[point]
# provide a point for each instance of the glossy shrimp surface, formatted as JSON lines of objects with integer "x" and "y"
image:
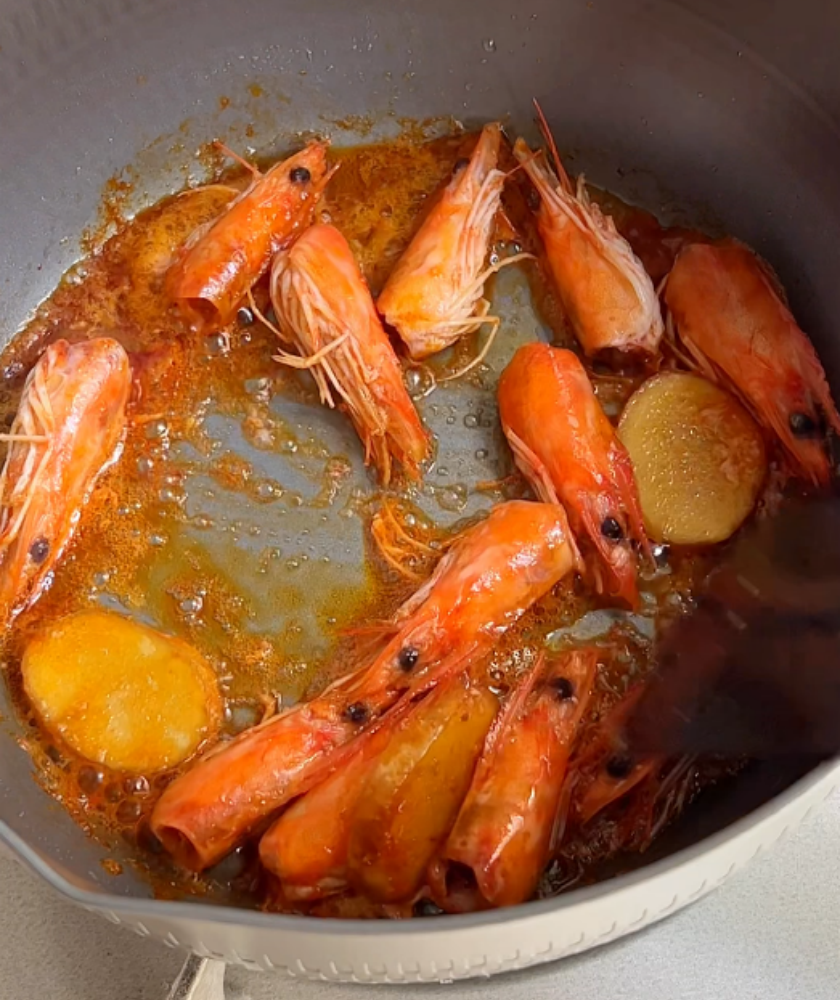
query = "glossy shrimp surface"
{"x": 306, "y": 849}
{"x": 220, "y": 262}
{"x": 434, "y": 296}
{"x": 725, "y": 307}
{"x": 605, "y": 291}
{"x": 569, "y": 451}
{"x": 325, "y": 311}
{"x": 501, "y": 840}
{"x": 481, "y": 587}
{"x": 68, "y": 428}
{"x": 414, "y": 790}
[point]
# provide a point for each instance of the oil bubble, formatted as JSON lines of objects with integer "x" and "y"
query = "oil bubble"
{"x": 268, "y": 490}
{"x": 452, "y": 498}
{"x": 192, "y": 605}
{"x": 471, "y": 421}
{"x": 217, "y": 345}
{"x": 420, "y": 381}
{"x": 156, "y": 429}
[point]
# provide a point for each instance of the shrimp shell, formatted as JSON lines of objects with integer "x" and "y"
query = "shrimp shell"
{"x": 325, "y": 310}
{"x": 67, "y": 431}
{"x": 434, "y": 296}
{"x": 603, "y": 286}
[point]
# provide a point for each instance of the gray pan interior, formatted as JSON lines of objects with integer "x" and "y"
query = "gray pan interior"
{"x": 722, "y": 113}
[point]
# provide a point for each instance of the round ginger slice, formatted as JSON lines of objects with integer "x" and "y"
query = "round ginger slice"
{"x": 698, "y": 456}
{"x": 120, "y": 693}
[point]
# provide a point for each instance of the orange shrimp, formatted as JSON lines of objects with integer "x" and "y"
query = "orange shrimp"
{"x": 325, "y": 310}
{"x": 415, "y": 789}
{"x": 604, "y": 770}
{"x": 569, "y": 451}
{"x": 220, "y": 262}
{"x": 434, "y": 295}
{"x": 603, "y": 286}
{"x": 307, "y": 847}
{"x": 68, "y": 429}
{"x": 501, "y": 840}
{"x": 488, "y": 578}
{"x": 724, "y": 304}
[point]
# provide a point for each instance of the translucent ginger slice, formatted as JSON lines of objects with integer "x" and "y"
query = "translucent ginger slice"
{"x": 698, "y": 456}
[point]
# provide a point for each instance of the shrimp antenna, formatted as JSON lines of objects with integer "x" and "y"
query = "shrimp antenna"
{"x": 552, "y": 145}
{"x": 237, "y": 158}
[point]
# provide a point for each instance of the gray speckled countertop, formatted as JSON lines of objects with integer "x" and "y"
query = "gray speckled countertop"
{"x": 771, "y": 933}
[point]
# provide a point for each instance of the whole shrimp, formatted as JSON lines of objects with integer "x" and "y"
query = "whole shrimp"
{"x": 604, "y": 289}
{"x": 501, "y": 840}
{"x": 487, "y": 579}
{"x": 569, "y": 451}
{"x": 220, "y": 262}
{"x": 68, "y": 429}
{"x": 323, "y": 308}
{"x": 604, "y": 770}
{"x": 434, "y": 295}
{"x": 725, "y": 307}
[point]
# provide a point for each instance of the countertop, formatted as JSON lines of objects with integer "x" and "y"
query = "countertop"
{"x": 771, "y": 933}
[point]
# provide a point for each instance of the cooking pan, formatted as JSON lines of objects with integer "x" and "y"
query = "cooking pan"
{"x": 722, "y": 113}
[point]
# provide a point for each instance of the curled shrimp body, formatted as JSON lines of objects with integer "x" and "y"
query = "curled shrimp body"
{"x": 569, "y": 451}
{"x": 604, "y": 289}
{"x": 434, "y": 296}
{"x": 220, "y": 262}
{"x": 501, "y": 840}
{"x": 68, "y": 429}
{"x": 324, "y": 309}
{"x": 489, "y": 577}
{"x": 725, "y": 308}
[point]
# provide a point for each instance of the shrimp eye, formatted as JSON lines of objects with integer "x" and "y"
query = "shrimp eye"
{"x": 803, "y": 425}
{"x": 611, "y": 529}
{"x": 564, "y": 688}
{"x": 460, "y": 165}
{"x": 619, "y": 766}
{"x": 299, "y": 175}
{"x": 39, "y": 550}
{"x": 357, "y": 712}
{"x": 245, "y": 316}
{"x": 408, "y": 657}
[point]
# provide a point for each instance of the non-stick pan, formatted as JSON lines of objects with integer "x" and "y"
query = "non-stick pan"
{"x": 712, "y": 111}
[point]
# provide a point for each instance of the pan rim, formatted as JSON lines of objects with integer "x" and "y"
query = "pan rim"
{"x": 215, "y": 913}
